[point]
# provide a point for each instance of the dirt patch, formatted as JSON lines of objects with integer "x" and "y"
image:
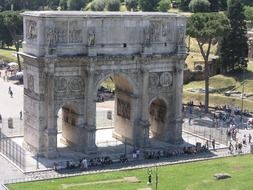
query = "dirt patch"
{"x": 237, "y": 168}
{"x": 132, "y": 179}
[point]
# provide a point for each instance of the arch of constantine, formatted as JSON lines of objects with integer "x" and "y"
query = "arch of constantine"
{"x": 68, "y": 54}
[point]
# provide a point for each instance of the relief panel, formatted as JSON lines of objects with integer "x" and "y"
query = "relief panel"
{"x": 123, "y": 108}
{"x": 31, "y": 30}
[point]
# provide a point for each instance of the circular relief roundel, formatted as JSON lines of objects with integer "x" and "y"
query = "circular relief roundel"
{"x": 76, "y": 84}
{"x": 165, "y": 79}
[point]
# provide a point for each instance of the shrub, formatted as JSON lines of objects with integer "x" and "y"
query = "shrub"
{"x": 164, "y": 5}
{"x": 98, "y": 5}
{"x": 131, "y": 5}
{"x": 199, "y": 6}
{"x": 113, "y": 5}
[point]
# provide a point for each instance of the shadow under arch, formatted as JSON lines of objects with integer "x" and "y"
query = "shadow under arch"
{"x": 121, "y": 80}
{"x": 69, "y": 118}
{"x": 158, "y": 109}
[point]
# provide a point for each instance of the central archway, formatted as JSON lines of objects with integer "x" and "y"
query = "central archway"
{"x": 122, "y": 92}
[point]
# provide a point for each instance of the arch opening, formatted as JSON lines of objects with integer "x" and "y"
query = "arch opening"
{"x": 157, "y": 118}
{"x": 68, "y": 119}
{"x": 114, "y": 117}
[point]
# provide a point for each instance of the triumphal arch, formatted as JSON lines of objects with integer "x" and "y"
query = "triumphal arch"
{"x": 68, "y": 54}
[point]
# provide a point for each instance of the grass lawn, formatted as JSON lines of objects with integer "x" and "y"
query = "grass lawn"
{"x": 222, "y": 83}
{"x": 7, "y": 54}
{"x": 190, "y": 176}
{"x": 217, "y": 82}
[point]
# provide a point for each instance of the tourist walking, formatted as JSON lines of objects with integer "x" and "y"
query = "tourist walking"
{"x": 11, "y": 93}
{"x": 231, "y": 148}
{"x": 213, "y": 144}
{"x": 20, "y": 115}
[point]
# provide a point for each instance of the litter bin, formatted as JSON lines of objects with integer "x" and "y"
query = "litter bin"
{"x": 109, "y": 115}
{"x": 10, "y": 123}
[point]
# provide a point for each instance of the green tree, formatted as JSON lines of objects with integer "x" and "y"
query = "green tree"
{"x": 247, "y": 2}
{"x": 53, "y": 4}
{"x": 98, "y": 5}
{"x": 164, "y": 5}
{"x": 234, "y": 48}
{"x": 5, "y": 37}
{"x": 197, "y": 6}
{"x": 222, "y": 5}
{"x": 63, "y": 4}
{"x": 148, "y": 5}
{"x": 214, "y": 5}
{"x": 184, "y": 5}
{"x": 207, "y": 28}
{"x": 14, "y": 23}
{"x": 131, "y": 5}
{"x": 248, "y": 12}
{"x": 75, "y": 4}
{"x": 113, "y": 5}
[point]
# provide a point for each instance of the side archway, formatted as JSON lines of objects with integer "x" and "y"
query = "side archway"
{"x": 158, "y": 109}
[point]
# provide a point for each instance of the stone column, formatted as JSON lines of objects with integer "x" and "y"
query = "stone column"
{"x": 90, "y": 113}
{"x": 144, "y": 123}
{"x": 51, "y": 130}
{"x": 177, "y": 110}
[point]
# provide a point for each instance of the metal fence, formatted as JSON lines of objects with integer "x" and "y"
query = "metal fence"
{"x": 208, "y": 132}
{"x": 12, "y": 150}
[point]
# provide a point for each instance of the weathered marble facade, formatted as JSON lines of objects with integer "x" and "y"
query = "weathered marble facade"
{"x": 68, "y": 54}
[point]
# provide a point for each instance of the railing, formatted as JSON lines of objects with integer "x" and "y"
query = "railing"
{"x": 12, "y": 150}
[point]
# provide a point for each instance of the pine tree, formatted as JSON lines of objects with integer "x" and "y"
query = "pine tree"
{"x": 234, "y": 48}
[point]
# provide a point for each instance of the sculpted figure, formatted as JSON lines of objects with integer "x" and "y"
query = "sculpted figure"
{"x": 91, "y": 38}
{"x": 181, "y": 34}
{"x": 51, "y": 37}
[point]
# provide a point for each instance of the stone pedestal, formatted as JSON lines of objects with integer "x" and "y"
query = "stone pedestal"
{"x": 92, "y": 51}
{"x": 147, "y": 50}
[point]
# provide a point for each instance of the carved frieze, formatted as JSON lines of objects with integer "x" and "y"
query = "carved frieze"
{"x": 61, "y": 30}
{"x": 123, "y": 108}
{"x": 166, "y": 31}
{"x": 153, "y": 79}
{"x": 69, "y": 87}
{"x": 31, "y": 30}
{"x": 155, "y": 30}
{"x": 75, "y": 32}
